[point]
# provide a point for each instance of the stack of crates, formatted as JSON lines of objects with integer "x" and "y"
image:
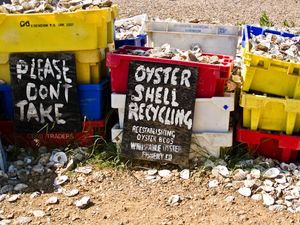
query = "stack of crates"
{"x": 270, "y": 100}
{"x": 88, "y": 34}
{"x": 212, "y": 109}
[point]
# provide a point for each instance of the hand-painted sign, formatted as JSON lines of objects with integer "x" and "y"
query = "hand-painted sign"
{"x": 159, "y": 112}
{"x": 45, "y": 92}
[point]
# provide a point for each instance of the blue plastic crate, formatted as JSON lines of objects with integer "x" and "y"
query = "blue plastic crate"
{"x": 94, "y": 99}
{"x": 249, "y": 30}
{"x": 6, "y": 102}
{"x": 140, "y": 40}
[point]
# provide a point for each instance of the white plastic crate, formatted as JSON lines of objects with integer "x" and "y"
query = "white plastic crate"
{"x": 217, "y": 39}
{"x": 202, "y": 144}
{"x": 210, "y": 114}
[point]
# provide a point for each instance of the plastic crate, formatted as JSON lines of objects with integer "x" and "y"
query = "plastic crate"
{"x": 94, "y": 99}
{"x": 249, "y": 30}
{"x": 111, "y": 23}
{"x": 6, "y": 102}
{"x": 140, "y": 40}
{"x": 90, "y": 131}
{"x": 88, "y": 64}
{"x": 211, "y": 77}
{"x": 277, "y": 146}
{"x": 273, "y": 80}
{"x": 210, "y": 114}
{"x": 46, "y": 32}
{"x": 262, "y": 73}
{"x": 269, "y": 113}
{"x": 217, "y": 39}
{"x": 202, "y": 144}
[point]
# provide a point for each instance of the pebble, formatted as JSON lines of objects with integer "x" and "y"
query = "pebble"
{"x": 164, "y": 173}
{"x": 185, "y": 174}
{"x": 229, "y": 199}
{"x": 213, "y": 183}
{"x": 83, "y": 202}
{"x": 38, "y": 213}
{"x": 20, "y": 187}
{"x": 2, "y": 197}
{"x": 52, "y": 200}
{"x": 152, "y": 172}
{"x": 245, "y": 191}
{"x": 13, "y": 198}
{"x": 6, "y": 189}
{"x": 23, "y": 220}
{"x": 38, "y": 169}
{"x": 5, "y": 222}
{"x": 85, "y": 170}
{"x": 150, "y": 177}
{"x": 174, "y": 199}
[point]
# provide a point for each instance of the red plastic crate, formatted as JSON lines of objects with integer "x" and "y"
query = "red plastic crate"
{"x": 211, "y": 77}
{"x": 84, "y": 138}
{"x": 276, "y": 146}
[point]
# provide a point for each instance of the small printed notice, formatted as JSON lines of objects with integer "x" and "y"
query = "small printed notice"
{"x": 159, "y": 112}
{"x": 45, "y": 93}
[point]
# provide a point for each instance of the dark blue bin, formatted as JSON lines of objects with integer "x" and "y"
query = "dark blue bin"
{"x": 93, "y": 99}
{"x": 140, "y": 40}
{"x": 6, "y": 102}
{"x": 249, "y": 30}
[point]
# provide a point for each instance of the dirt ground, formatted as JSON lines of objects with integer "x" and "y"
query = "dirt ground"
{"x": 126, "y": 197}
{"x": 218, "y": 11}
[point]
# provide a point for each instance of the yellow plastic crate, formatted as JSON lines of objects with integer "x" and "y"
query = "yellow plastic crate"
{"x": 111, "y": 24}
{"x": 88, "y": 66}
{"x": 47, "y": 32}
{"x": 269, "y": 113}
{"x": 270, "y": 76}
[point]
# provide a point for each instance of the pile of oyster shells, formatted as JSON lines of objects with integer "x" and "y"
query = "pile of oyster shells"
{"x": 49, "y": 6}
{"x": 165, "y": 51}
{"x": 277, "y": 47}
{"x": 127, "y": 29}
{"x": 276, "y": 185}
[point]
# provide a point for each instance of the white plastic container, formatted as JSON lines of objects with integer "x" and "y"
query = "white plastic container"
{"x": 210, "y": 114}
{"x": 202, "y": 144}
{"x": 217, "y": 39}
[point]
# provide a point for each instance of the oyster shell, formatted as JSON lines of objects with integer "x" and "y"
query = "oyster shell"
{"x": 166, "y": 51}
{"x": 276, "y": 47}
{"x": 48, "y": 6}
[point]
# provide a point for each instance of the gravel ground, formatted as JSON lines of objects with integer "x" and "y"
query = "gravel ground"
{"x": 126, "y": 197}
{"x": 217, "y": 11}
